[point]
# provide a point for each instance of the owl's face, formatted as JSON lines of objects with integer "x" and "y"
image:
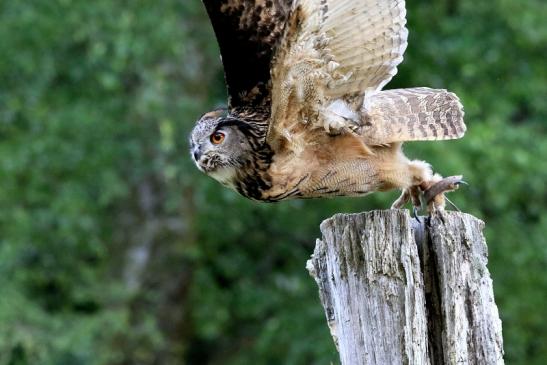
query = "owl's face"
{"x": 219, "y": 147}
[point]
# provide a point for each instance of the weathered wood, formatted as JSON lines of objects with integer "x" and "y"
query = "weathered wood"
{"x": 389, "y": 300}
{"x": 368, "y": 272}
{"x": 471, "y": 324}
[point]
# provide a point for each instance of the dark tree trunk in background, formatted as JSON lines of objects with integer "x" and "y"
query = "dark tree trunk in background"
{"x": 399, "y": 291}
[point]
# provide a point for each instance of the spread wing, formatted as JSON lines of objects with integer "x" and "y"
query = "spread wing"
{"x": 335, "y": 58}
{"x": 367, "y": 40}
{"x": 335, "y": 49}
{"x": 248, "y": 32}
{"x": 416, "y": 114}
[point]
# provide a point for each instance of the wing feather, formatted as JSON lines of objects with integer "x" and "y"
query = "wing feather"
{"x": 248, "y": 32}
{"x": 336, "y": 57}
{"x": 367, "y": 38}
{"x": 416, "y": 114}
{"x": 334, "y": 49}
{"x": 376, "y": 38}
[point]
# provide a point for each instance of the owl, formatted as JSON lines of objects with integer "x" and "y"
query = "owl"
{"x": 307, "y": 116}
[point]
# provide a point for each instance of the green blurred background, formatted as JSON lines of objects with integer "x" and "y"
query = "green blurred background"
{"x": 114, "y": 249}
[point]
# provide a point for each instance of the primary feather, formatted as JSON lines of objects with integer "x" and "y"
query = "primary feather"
{"x": 248, "y": 33}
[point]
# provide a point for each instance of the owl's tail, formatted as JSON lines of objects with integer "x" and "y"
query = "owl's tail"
{"x": 417, "y": 114}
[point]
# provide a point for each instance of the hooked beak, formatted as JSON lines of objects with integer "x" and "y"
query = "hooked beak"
{"x": 196, "y": 153}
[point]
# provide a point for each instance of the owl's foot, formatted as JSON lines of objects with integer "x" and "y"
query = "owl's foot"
{"x": 425, "y": 188}
{"x": 411, "y": 194}
{"x": 433, "y": 191}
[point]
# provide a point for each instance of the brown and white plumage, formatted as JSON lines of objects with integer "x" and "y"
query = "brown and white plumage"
{"x": 365, "y": 38}
{"x": 305, "y": 81}
{"x": 336, "y": 57}
{"x": 416, "y": 114}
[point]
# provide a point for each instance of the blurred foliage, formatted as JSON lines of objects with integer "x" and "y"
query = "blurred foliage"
{"x": 115, "y": 250}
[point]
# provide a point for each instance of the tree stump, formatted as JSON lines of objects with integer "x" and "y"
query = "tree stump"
{"x": 401, "y": 291}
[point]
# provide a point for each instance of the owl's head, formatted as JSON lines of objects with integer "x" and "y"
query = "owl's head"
{"x": 219, "y": 145}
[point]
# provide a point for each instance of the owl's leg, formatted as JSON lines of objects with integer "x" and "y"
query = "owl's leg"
{"x": 412, "y": 193}
{"x": 431, "y": 186}
{"x": 411, "y": 182}
{"x": 401, "y": 200}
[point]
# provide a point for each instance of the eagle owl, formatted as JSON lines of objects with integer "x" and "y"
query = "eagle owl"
{"x": 307, "y": 116}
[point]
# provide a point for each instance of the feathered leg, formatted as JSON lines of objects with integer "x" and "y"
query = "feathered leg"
{"x": 431, "y": 186}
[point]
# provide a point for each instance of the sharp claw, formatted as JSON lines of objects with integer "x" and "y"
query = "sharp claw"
{"x": 462, "y": 182}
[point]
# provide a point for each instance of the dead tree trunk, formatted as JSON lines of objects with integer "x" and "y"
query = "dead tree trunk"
{"x": 399, "y": 291}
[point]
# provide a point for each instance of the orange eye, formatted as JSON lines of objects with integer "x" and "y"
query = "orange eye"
{"x": 217, "y": 137}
